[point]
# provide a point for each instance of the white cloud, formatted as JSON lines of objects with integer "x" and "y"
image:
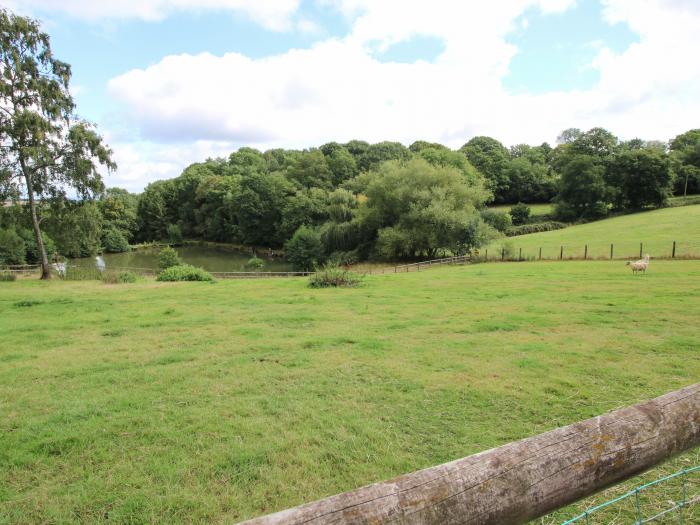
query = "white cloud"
{"x": 207, "y": 105}
{"x": 272, "y": 14}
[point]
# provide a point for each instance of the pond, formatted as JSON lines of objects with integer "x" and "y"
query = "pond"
{"x": 212, "y": 258}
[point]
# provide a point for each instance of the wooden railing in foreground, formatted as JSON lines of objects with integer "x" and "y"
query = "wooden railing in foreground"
{"x": 515, "y": 483}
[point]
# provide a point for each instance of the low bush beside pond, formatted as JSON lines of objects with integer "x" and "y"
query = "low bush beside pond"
{"x": 119, "y": 277}
{"x": 184, "y": 272}
{"x": 334, "y": 277}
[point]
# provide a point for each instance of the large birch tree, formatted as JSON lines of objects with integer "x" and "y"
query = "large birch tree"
{"x": 46, "y": 152}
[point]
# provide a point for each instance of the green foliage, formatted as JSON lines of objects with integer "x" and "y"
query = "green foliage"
{"x": 311, "y": 170}
{"x": 152, "y": 211}
{"x": 168, "y": 257}
{"x": 46, "y": 148}
{"x": 417, "y": 210}
{"x": 334, "y": 277}
{"x": 255, "y": 263}
{"x": 535, "y": 227}
{"x": 305, "y": 249}
{"x": 490, "y": 157}
{"x": 685, "y": 159}
{"x": 497, "y": 219}
{"x": 448, "y": 158}
{"x": 376, "y": 154}
{"x": 520, "y": 213}
{"x": 81, "y": 273}
{"x": 583, "y": 190}
{"x": 7, "y": 276}
{"x": 76, "y": 229}
{"x": 184, "y": 272}
{"x": 124, "y": 277}
{"x": 639, "y": 178}
{"x": 114, "y": 241}
{"x": 12, "y": 248}
{"x": 119, "y": 208}
{"x": 344, "y": 258}
{"x": 174, "y": 234}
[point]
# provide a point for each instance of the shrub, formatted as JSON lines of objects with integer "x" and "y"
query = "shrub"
{"x": 499, "y": 220}
{"x": 119, "y": 277}
{"x": 33, "y": 256}
{"x": 12, "y": 248}
{"x": 520, "y": 213}
{"x": 255, "y": 263}
{"x": 344, "y": 258}
{"x": 184, "y": 272}
{"x": 305, "y": 249}
{"x": 7, "y": 276}
{"x": 334, "y": 277}
{"x": 174, "y": 234}
{"x": 79, "y": 273}
{"x": 168, "y": 257}
{"x": 114, "y": 241}
{"x": 535, "y": 228}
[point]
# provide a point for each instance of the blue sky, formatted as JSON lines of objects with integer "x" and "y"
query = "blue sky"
{"x": 169, "y": 82}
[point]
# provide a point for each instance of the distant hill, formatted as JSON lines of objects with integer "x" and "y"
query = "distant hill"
{"x": 655, "y": 229}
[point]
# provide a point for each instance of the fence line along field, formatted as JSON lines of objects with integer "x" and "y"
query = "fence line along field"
{"x": 655, "y": 230}
{"x": 198, "y": 402}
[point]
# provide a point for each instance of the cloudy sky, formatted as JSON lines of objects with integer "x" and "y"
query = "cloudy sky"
{"x": 170, "y": 82}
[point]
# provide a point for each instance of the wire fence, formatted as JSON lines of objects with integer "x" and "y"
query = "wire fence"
{"x": 421, "y": 265}
{"x": 511, "y": 251}
{"x": 670, "y": 499}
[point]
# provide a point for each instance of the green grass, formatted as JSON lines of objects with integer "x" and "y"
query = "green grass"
{"x": 655, "y": 229}
{"x": 196, "y": 402}
{"x": 536, "y": 210}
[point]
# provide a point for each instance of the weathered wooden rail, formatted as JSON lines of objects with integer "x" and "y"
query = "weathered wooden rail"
{"x": 520, "y": 481}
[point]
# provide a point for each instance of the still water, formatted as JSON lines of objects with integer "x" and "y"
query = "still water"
{"x": 208, "y": 257}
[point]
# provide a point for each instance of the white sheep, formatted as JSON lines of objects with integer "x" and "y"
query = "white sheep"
{"x": 640, "y": 265}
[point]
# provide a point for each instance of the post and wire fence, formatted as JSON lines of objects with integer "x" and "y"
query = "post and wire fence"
{"x": 511, "y": 251}
{"x": 674, "y": 498}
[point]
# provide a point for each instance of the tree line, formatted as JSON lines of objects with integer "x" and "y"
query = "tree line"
{"x": 340, "y": 202}
{"x": 356, "y": 200}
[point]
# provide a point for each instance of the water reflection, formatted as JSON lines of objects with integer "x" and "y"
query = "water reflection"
{"x": 210, "y": 258}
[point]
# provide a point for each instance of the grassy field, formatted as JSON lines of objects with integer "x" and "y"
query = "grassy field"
{"x": 195, "y": 402}
{"x": 536, "y": 210}
{"x": 655, "y": 229}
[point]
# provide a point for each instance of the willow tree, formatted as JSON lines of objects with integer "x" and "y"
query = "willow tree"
{"x": 46, "y": 152}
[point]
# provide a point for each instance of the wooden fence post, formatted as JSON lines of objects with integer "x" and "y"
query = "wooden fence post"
{"x": 503, "y": 254}
{"x": 641, "y": 245}
{"x": 520, "y": 481}
{"x": 561, "y": 253}
{"x": 611, "y": 251}
{"x": 585, "y": 252}
{"x": 673, "y": 253}
{"x": 540, "y": 253}
{"x": 520, "y": 254}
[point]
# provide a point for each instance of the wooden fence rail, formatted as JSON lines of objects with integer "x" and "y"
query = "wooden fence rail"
{"x": 515, "y": 483}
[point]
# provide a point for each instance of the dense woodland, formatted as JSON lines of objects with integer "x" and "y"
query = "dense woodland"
{"x": 354, "y": 201}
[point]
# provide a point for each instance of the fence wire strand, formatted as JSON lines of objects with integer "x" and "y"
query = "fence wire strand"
{"x": 680, "y": 492}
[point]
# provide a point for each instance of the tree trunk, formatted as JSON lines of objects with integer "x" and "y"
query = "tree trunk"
{"x": 45, "y": 270}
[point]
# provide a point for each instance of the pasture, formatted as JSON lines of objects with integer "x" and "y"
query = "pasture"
{"x": 656, "y": 229}
{"x": 536, "y": 210}
{"x": 196, "y": 402}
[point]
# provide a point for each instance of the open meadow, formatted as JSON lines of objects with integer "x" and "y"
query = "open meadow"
{"x": 197, "y": 402}
{"x": 656, "y": 229}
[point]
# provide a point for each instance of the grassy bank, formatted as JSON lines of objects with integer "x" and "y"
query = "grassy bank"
{"x": 196, "y": 402}
{"x": 655, "y": 229}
